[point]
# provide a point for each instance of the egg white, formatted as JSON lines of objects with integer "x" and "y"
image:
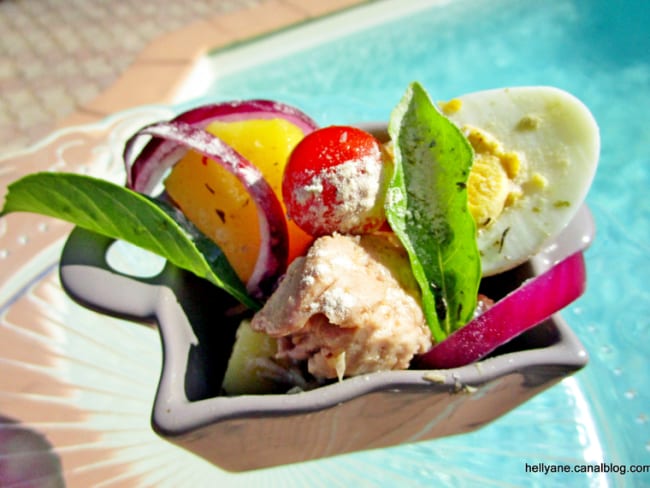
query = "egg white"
{"x": 556, "y": 137}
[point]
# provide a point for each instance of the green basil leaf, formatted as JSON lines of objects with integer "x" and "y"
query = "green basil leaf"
{"x": 117, "y": 212}
{"x": 426, "y": 206}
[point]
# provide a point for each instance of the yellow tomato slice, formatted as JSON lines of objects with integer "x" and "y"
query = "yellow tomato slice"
{"x": 219, "y": 205}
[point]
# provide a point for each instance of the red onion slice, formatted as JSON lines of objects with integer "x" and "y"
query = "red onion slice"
{"x": 147, "y": 168}
{"x": 533, "y": 302}
{"x": 272, "y": 258}
{"x": 246, "y": 110}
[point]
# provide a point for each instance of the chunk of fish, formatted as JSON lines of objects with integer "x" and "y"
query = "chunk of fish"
{"x": 351, "y": 306}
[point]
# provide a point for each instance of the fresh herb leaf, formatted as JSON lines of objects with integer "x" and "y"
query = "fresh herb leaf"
{"x": 426, "y": 207}
{"x": 117, "y": 212}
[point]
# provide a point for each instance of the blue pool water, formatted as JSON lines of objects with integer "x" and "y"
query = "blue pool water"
{"x": 598, "y": 50}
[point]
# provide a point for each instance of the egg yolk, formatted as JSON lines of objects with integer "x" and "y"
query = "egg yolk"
{"x": 491, "y": 186}
{"x": 450, "y": 107}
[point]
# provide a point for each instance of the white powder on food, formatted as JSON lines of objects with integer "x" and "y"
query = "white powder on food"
{"x": 358, "y": 187}
{"x": 336, "y": 303}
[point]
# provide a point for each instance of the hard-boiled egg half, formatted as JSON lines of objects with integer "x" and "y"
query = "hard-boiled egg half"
{"x": 536, "y": 151}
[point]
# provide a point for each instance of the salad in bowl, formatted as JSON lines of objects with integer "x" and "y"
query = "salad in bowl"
{"x": 370, "y": 277}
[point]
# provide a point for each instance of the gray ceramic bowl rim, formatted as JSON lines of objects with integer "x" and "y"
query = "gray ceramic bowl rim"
{"x": 174, "y": 415}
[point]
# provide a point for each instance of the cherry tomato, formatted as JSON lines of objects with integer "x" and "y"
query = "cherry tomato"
{"x": 334, "y": 182}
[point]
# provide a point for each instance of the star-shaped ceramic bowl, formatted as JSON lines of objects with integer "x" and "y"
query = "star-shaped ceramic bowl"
{"x": 365, "y": 412}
